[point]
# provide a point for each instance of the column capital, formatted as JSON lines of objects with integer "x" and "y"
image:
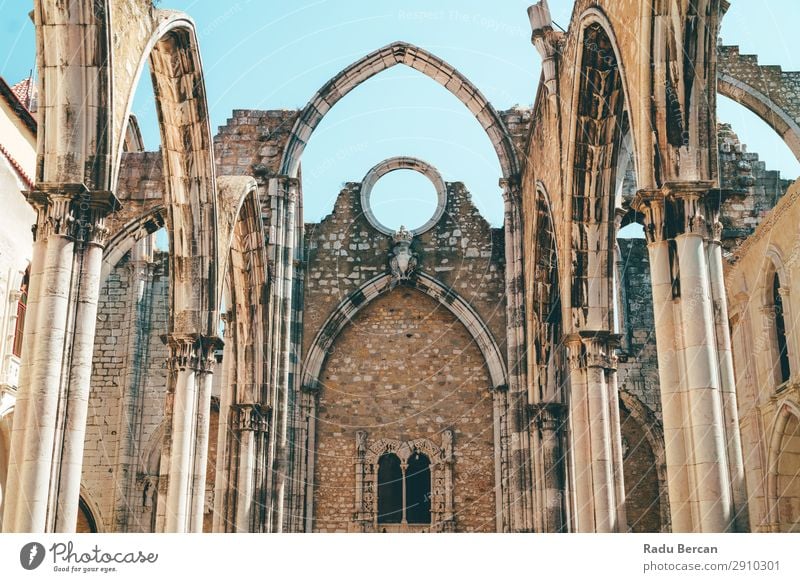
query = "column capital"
{"x": 192, "y": 351}
{"x": 251, "y": 417}
{"x": 548, "y": 415}
{"x": 73, "y": 211}
{"x": 592, "y": 349}
{"x": 651, "y": 205}
{"x": 511, "y": 189}
{"x": 689, "y": 207}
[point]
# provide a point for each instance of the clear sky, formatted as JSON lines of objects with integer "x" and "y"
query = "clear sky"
{"x": 270, "y": 54}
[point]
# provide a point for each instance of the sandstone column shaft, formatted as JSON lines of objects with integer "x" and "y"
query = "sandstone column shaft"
{"x": 712, "y": 482}
{"x": 180, "y": 460}
{"x": 203, "y": 420}
{"x": 43, "y": 390}
{"x": 728, "y": 387}
{"x": 80, "y": 373}
{"x": 520, "y": 480}
{"x": 23, "y": 406}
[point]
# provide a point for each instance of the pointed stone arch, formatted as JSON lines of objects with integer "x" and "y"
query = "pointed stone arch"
{"x": 384, "y": 58}
{"x": 372, "y": 289}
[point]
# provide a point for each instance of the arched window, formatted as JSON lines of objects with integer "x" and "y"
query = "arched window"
{"x": 22, "y": 306}
{"x": 390, "y": 489}
{"x": 418, "y": 489}
{"x": 780, "y": 330}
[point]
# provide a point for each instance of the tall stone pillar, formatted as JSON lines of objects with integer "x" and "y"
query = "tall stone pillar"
{"x": 521, "y": 479}
{"x": 549, "y": 419}
{"x": 50, "y": 422}
{"x": 191, "y": 361}
{"x": 704, "y": 465}
{"x": 283, "y": 192}
{"x": 202, "y": 421}
{"x": 599, "y": 487}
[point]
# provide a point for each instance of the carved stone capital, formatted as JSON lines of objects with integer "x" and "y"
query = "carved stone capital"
{"x": 592, "y": 349}
{"x": 192, "y": 352}
{"x": 250, "y": 417}
{"x": 548, "y": 416}
{"x": 651, "y": 205}
{"x": 512, "y": 193}
{"x": 73, "y": 211}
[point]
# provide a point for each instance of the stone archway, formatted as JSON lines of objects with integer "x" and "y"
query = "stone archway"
{"x": 783, "y": 478}
{"x": 416, "y": 58}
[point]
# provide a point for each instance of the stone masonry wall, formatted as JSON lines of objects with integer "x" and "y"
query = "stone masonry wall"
{"x": 110, "y": 379}
{"x": 638, "y": 366}
{"x": 462, "y": 251}
{"x": 405, "y": 368}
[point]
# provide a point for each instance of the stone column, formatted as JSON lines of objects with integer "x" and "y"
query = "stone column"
{"x": 598, "y": 486}
{"x": 180, "y": 412}
{"x": 501, "y": 468}
{"x": 47, "y": 440}
{"x": 702, "y": 445}
{"x": 223, "y": 481}
{"x": 283, "y": 192}
{"x": 187, "y": 431}
{"x": 663, "y": 265}
{"x": 250, "y": 425}
{"x": 205, "y": 379}
{"x": 520, "y": 482}
{"x": 727, "y": 380}
{"x": 549, "y": 418}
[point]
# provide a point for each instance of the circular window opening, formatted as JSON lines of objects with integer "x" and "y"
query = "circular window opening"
{"x": 403, "y": 198}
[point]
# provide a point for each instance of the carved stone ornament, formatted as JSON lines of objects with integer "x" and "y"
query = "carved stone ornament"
{"x": 402, "y": 262}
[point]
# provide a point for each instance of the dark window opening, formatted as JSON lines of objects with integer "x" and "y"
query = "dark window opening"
{"x": 780, "y": 329}
{"x": 418, "y": 489}
{"x": 390, "y": 489}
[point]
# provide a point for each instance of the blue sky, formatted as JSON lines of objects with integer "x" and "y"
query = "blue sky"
{"x": 275, "y": 54}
